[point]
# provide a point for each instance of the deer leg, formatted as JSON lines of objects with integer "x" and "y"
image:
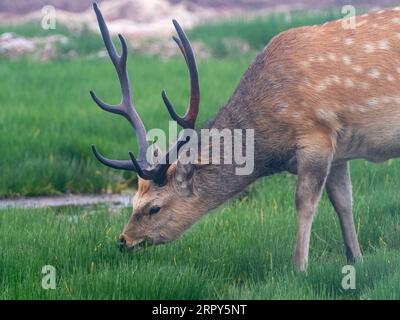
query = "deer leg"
{"x": 338, "y": 187}
{"x": 313, "y": 168}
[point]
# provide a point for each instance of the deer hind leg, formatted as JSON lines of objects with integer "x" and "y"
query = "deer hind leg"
{"x": 338, "y": 187}
{"x": 313, "y": 167}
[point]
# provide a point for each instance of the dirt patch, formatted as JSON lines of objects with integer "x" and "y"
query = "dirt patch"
{"x": 41, "y": 48}
{"x": 114, "y": 200}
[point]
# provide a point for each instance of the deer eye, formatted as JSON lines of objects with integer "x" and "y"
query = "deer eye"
{"x": 154, "y": 210}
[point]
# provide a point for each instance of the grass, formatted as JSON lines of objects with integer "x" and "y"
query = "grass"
{"x": 48, "y": 120}
{"x": 80, "y": 42}
{"x": 256, "y": 31}
{"x": 243, "y": 250}
{"x": 34, "y": 29}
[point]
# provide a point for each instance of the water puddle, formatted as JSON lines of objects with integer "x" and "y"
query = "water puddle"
{"x": 115, "y": 200}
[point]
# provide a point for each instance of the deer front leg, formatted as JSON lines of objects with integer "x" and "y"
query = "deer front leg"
{"x": 313, "y": 168}
{"x": 338, "y": 187}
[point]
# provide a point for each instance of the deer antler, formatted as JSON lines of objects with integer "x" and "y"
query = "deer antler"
{"x": 189, "y": 119}
{"x": 128, "y": 111}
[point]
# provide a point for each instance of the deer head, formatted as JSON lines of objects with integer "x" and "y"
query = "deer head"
{"x": 165, "y": 204}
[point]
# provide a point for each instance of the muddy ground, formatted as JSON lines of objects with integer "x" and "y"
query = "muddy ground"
{"x": 114, "y": 200}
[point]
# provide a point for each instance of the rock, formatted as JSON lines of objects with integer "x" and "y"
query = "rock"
{"x": 42, "y": 48}
{"x": 12, "y": 45}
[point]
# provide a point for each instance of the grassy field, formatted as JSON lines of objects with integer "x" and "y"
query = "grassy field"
{"x": 242, "y": 250}
{"x": 255, "y": 32}
{"x": 48, "y": 120}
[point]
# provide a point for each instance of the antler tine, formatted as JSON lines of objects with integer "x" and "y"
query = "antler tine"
{"x": 179, "y": 43}
{"x": 126, "y": 107}
{"x": 116, "y": 164}
{"x": 189, "y": 119}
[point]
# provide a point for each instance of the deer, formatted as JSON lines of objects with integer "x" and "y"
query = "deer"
{"x": 317, "y": 97}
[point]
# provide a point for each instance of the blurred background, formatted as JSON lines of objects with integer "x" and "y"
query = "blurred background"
{"x": 238, "y": 26}
{"x": 51, "y": 55}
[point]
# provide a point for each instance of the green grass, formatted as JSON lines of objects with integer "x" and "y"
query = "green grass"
{"x": 34, "y": 29}
{"x": 48, "y": 120}
{"x": 256, "y": 32}
{"x": 232, "y": 253}
{"x": 80, "y": 42}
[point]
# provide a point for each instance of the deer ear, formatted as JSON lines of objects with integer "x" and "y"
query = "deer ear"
{"x": 184, "y": 176}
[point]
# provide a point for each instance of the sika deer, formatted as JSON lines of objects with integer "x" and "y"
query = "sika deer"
{"x": 316, "y": 97}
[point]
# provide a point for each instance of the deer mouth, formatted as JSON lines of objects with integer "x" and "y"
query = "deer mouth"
{"x": 138, "y": 245}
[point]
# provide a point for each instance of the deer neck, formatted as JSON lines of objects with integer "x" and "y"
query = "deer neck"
{"x": 217, "y": 183}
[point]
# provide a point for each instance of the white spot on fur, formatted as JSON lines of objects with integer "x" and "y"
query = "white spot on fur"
{"x": 362, "y": 109}
{"x": 357, "y": 69}
{"x": 307, "y": 83}
{"x": 320, "y": 87}
{"x": 383, "y": 45}
{"x": 374, "y": 73}
{"x": 396, "y": 20}
{"x": 346, "y": 60}
{"x": 364, "y": 85}
{"x": 311, "y": 58}
{"x": 336, "y": 79}
{"x": 398, "y": 69}
{"x": 348, "y": 83}
{"x": 328, "y": 81}
{"x": 373, "y": 102}
{"x": 331, "y": 56}
{"x": 390, "y": 78}
{"x": 369, "y": 48}
{"x": 348, "y": 41}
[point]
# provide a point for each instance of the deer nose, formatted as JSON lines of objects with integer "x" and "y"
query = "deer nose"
{"x": 121, "y": 243}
